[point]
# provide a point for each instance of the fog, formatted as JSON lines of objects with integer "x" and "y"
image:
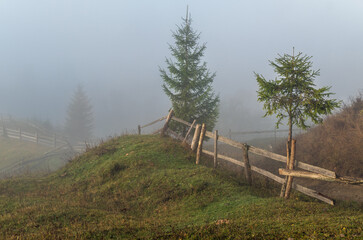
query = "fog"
{"x": 114, "y": 49}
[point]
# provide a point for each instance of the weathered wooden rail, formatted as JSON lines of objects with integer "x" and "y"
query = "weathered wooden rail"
{"x": 32, "y": 137}
{"x": 313, "y": 172}
{"x": 41, "y": 139}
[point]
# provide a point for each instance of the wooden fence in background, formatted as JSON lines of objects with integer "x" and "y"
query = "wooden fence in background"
{"x": 313, "y": 172}
{"x": 35, "y": 137}
{"x": 276, "y": 133}
{"x": 50, "y": 140}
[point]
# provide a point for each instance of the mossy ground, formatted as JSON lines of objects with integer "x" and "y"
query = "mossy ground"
{"x": 149, "y": 187}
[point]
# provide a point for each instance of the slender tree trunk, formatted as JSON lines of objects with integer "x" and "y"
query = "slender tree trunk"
{"x": 290, "y": 129}
{"x": 290, "y": 136}
{"x": 289, "y": 140}
{"x": 288, "y": 157}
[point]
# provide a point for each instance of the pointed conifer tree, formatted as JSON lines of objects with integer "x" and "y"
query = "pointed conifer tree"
{"x": 188, "y": 81}
{"x": 79, "y": 120}
{"x": 293, "y": 95}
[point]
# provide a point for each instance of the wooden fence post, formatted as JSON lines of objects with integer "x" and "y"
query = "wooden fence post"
{"x": 200, "y": 143}
{"x": 290, "y": 167}
{"x": 163, "y": 131}
{"x": 196, "y": 137}
{"x": 37, "y": 137}
{"x": 139, "y": 129}
{"x": 215, "y": 148}
{"x": 288, "y": 153}
{"x": 247, "y": 165}
{"x": 190, "y": 129}
{"x": 20, "y": 134}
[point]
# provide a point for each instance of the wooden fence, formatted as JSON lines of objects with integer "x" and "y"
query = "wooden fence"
{"x": 313, "y": 172}
{"x": 238, "y": 135}
{"x": 275, "y": 131}
{"x": 35, "y": 137}
{"x": 59, "y": 146}
{"x": 50, "y": 140}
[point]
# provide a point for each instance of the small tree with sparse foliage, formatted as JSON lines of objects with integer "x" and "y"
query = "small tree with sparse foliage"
{"x": 187, "y": 81}
{"x": 79, "y": 120}
{"x": 293, "y": 94}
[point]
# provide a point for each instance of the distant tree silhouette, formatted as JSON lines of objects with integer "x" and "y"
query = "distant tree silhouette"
{"x": 188, "y": 82}
{"x": 79, "y": 120}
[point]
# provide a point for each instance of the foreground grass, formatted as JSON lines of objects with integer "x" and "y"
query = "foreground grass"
{"x": 148, "y": 187}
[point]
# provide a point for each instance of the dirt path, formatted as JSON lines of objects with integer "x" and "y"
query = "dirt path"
{"x": 336, "y": 191}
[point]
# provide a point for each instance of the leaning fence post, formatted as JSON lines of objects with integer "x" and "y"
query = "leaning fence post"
{"x": 247, "y": 164}
{"x": 291, "y": 167}
{"x": 166, "y": 123}
{"x": 215, "y": 148}
{"x": 196, "y": 137}
{"x": 200, "y": 143}
{"x": 190, "y": 129}
{"x": 139, "y": 129}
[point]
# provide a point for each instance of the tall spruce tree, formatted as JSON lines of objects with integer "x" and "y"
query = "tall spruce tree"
{"x": 79, "y": 120}
{"x": 188, "y": 82}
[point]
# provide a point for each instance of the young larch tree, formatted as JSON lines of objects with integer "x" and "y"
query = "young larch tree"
{"x": 293, "y": 94}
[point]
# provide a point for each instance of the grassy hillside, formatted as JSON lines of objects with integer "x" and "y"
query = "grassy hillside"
{"x": 14, "y": 152}
{"x": 21, "y": 157}
{"x": 149, "y": 187}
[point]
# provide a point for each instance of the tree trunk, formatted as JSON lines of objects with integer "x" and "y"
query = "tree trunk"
{"x": 289, "y": 138}
{"x": 288, "y": 156}
{"x": 290, "y": 166}
{"x": 290, "y": 131}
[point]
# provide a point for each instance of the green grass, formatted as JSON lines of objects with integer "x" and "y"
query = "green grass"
{"x": 22, "y": 157}
{"x": 149, "y": 187}
{"x": 13, "y": 151}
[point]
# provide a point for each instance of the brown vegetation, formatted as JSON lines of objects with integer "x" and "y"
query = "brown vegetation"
{"x": 337, "y": 144}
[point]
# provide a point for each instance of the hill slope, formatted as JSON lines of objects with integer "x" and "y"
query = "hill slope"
{"x": 22, "y": 157}
{"x": 149, "y": 187}
{"x": 337, "y": 144}
{"x": 14, "y": 153}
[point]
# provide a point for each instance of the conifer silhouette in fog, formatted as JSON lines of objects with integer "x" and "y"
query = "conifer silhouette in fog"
{"x": 79, "y": 120}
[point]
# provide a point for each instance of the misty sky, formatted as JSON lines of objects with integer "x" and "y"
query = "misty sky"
{"x": 114, "y": 49}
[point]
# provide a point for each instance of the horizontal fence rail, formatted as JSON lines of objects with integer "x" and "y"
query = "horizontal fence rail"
{"x": 32, "y": 137}
{"x": 51, "y": 140}
{"x": 315, "y": 172}
{"x": 261, "y": 131}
